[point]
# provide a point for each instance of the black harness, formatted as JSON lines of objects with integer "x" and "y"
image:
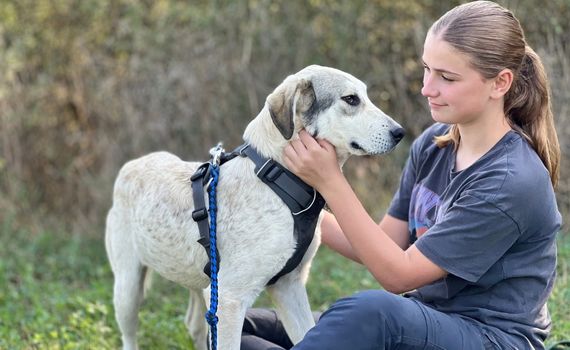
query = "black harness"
{"x": 304, "y": 202}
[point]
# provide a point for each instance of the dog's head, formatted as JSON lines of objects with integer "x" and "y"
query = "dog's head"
{"x": 332, "y": 105}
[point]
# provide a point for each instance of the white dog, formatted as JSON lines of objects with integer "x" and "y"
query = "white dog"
{"x": 150, "y": 226}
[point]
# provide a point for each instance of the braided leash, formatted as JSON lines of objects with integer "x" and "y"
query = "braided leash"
{"x": 211, "y": 317}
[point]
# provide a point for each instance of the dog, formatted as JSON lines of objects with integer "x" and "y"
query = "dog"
{"x": 150, "y": 226}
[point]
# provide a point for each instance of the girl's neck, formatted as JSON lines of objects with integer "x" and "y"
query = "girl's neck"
{"x": 477, "y": 138}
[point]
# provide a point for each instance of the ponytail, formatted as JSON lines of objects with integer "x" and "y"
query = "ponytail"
{"x": 528, "y": 108}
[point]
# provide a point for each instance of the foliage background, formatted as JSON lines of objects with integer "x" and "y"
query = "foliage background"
{"x": 86, "y": 85}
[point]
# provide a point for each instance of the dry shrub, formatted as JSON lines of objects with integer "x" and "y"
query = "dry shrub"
{"x": 87, "y": 85}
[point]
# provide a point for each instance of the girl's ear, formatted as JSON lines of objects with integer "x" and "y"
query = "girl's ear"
{"x": 502, "y": 84}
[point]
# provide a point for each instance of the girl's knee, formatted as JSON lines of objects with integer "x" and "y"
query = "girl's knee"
{"x": 357, "y": 321}
{"x": 371, "y": 305}
{"x": 377, "y": 300}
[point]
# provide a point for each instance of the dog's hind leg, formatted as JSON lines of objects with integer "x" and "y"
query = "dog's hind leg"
{"x": 129, "y": 276}
{"x": 127, "y": 297}
{"x": 195, "y": 320}
{"x": 292, "y": 305}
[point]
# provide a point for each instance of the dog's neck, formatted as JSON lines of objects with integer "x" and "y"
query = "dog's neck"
{"x": 263, "y": 135}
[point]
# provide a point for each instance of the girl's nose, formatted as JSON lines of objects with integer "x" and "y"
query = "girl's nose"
{"x": 428, "y": 90}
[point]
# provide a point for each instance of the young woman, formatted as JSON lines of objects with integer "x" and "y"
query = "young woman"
{"x": 469, "y": 237}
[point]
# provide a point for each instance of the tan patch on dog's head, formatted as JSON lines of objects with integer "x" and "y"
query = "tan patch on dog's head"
{"x": 292, "y": 97}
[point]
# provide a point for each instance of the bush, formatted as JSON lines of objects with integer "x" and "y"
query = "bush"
{"x": 87, "y": 85}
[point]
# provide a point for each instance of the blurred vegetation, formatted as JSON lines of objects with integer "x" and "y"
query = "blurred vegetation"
{"x": 86, "y": 85}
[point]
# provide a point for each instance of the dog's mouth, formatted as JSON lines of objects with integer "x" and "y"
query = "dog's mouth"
{"x": 355, "y": 146}
{"x": 359, "y": 150}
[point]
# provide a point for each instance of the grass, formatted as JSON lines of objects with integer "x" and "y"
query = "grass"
{"x": 55, "y": 293}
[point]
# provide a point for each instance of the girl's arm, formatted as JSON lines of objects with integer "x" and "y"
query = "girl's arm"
{"x": 396, "y": 269}
{"x": 333, "y": 237}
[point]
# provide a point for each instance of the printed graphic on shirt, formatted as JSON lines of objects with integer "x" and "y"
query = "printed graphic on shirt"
{"x": 423, "y": 207}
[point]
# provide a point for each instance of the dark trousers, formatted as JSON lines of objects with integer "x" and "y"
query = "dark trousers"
{"x": 371, "y": 320}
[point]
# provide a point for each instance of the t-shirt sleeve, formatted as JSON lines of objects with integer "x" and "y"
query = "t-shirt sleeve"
{"x": 400, "y": 204}
{"x": 469, "y": 237}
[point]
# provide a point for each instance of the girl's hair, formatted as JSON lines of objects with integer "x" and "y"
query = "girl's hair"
{"x": 494, "y": 40}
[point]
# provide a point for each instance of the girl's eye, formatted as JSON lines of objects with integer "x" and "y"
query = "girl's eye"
{"x": 446, "y": 78}
{"x": 352, "y": 100}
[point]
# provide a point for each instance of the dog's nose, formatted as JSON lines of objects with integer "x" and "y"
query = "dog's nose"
{"x": 398, "y": 134}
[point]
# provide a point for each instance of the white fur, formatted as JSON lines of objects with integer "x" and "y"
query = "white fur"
{"x": 150, "y": 226}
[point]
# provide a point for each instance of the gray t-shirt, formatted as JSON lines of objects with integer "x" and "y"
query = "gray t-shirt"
{"x": 491, "y": 226}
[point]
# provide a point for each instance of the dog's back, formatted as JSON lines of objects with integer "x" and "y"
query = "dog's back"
{"x": 151, "y": 200}
{"x": 151, "y": 215}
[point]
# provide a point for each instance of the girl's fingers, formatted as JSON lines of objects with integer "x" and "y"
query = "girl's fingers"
{"x": 290, "y": 154}
{"x": 308, "y": 140}
{"x": 326, "y": 145}
{"x": 288, "y": 162}
{"x": 298, "y": 146}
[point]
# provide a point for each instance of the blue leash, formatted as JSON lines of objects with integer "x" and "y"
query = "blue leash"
{"x": 211, "y": 317}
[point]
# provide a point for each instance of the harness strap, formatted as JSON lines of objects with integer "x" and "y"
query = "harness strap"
{"x": 304, "y": 202}
{"x": 200, "y": 179}
{"x": 296, "y": 194}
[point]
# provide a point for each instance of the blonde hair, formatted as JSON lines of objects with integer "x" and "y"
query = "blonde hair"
{"x": 494, "y": 40}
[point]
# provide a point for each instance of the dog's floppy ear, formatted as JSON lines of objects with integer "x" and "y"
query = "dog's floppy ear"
{"x": 294, "y": 95}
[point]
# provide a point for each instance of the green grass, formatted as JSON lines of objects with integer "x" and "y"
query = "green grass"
{"x": 559, "y": 303}
{"x": 55, "y": 293}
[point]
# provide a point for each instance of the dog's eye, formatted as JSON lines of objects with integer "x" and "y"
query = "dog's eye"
{"x": 352, "y": 100}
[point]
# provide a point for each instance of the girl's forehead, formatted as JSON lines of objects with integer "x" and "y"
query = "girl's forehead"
{"x": 442, "y": 55}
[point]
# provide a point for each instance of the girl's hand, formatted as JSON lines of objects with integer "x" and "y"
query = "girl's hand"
{"x": 314, "y": 161}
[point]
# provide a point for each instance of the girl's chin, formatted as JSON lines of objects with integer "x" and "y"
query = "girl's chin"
{"x": 439, "y": 117}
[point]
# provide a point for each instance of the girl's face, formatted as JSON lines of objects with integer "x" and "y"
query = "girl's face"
{"x": 456, "y": 92}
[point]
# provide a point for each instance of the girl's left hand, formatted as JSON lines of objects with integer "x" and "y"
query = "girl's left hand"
{"x": 313, "y": 160}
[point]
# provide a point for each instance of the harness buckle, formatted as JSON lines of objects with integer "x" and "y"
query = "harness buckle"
{"x": 240, "y": 150}
{"x": 199, "y": 214}
{"x": 269, "y": 170}
{"x": 201, "y": 172}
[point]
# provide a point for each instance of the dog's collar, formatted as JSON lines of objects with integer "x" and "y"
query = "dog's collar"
{"x": 296, "y": 194}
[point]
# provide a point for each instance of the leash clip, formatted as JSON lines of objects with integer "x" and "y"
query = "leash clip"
{"x": 216, "y": 153}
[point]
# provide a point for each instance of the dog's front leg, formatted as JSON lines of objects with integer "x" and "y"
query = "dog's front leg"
{"x": 290, "y": 298}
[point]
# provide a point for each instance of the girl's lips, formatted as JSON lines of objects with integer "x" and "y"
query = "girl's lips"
{"x": 435, "y": 105}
